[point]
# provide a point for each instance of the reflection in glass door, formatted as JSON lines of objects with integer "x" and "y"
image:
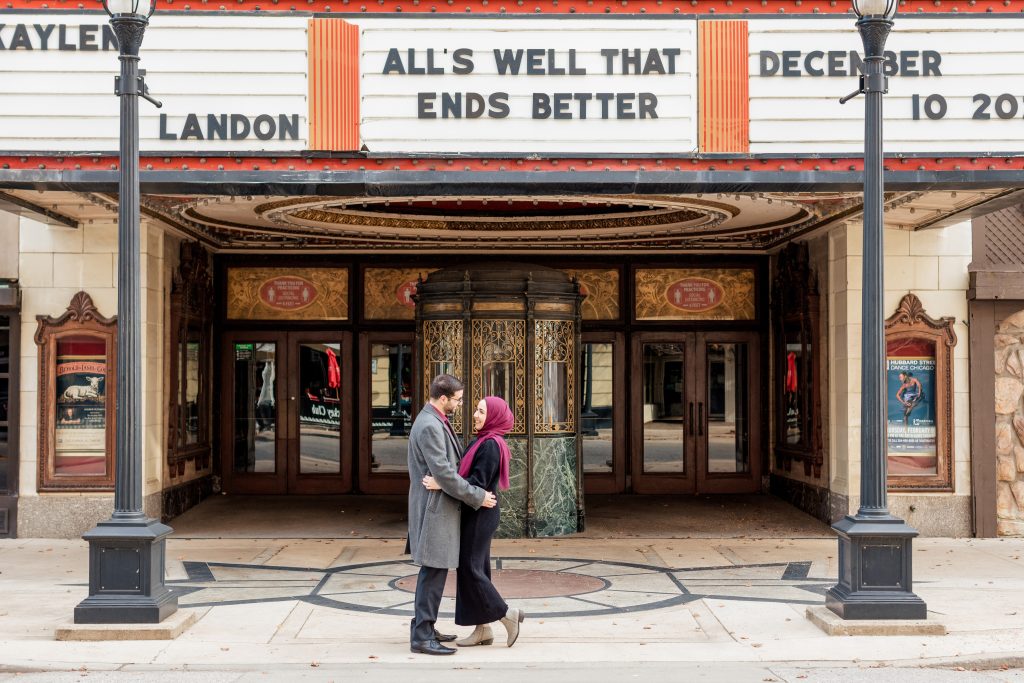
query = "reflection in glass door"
{"x": 664, "y": 415}
{"x": 602, "y": 408}
{"x": 286, "y": 413}
{"x": 728, "y": 399}
{"x": 319, "y": 409}
{"x": 727, "y": 426}
{"x": 255, "y": 404}
{"x": 692, "y": 426}
{"x": 391, "y": 402}
{"x": 386, "y": 411}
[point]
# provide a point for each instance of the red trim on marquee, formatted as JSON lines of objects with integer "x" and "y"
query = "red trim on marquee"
{"x": 50, "y": 162}
{"x": 531, "y": 7}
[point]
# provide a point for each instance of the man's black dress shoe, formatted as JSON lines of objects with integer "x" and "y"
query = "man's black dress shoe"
{"x": 431, "y": 647}
{"x": 442, "y": 637}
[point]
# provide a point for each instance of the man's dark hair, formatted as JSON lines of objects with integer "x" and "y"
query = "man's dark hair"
{"x": 445, "y": 385}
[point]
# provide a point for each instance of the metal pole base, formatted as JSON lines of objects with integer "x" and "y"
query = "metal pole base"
{"x": 875, "y": 573}
{"x": 588, "y": 418}
{"x": 398, "y": 424}
{"x": 126, "y": 574}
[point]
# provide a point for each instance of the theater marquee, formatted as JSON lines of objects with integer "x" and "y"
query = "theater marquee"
{"x": 487, "y": 85}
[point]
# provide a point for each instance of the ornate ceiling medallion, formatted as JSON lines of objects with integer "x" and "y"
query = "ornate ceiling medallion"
{"x": 554, "y": 219}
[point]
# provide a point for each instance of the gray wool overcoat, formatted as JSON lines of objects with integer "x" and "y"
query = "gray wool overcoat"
{"x": 434, "y": 516}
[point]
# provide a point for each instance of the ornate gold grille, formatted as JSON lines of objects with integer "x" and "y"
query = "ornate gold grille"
{"x": 554, "y": 377}
{"x": 442, "y": 352}
{"x": 499, "y": 365}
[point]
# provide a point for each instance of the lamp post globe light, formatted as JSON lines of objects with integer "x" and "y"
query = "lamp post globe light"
{"x": 127, "y": 552}
{"x": 875, "y": 570}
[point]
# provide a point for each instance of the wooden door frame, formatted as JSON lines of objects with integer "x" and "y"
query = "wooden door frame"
{"x": 256, "y": 482}
{"x": 614, "y": 481}
{"x": 660, "y": 482}
{"x": 10, "y": 307}
{"x": 384, "y": 482}
{"x": 724, "y": 482}
{"x": 298, "y": 483}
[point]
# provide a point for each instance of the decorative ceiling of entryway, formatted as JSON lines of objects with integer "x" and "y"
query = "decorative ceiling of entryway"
{"x": 733, "y": 222}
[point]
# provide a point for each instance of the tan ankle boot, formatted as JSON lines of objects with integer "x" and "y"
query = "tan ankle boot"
{"x": 481, "y": 635}
{"x": 511, "y": 622}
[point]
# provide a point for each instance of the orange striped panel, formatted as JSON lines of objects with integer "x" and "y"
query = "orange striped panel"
{"x": 723, "y": 71}
{"x": 333, "y": 85}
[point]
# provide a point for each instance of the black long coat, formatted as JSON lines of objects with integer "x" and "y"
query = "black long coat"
{"x": 477, "y": 601}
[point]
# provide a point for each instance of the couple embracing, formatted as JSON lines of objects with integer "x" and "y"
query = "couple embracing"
{"x": 453, "y": 514}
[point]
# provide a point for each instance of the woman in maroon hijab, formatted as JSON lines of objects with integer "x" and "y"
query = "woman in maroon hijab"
{"x": 485, "y": 464}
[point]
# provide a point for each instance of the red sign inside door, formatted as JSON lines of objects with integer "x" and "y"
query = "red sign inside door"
{"x": 288, "y": 292}
{"x": 694, "y": 294}
{"x": 405, "y": 292}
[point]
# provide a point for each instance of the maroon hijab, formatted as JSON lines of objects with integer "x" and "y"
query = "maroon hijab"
{"x": 497, "y": 424}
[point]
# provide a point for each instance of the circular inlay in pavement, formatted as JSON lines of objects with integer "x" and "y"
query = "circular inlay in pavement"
{"x": 523, "y": 583}
{"x": 540, "y": 586}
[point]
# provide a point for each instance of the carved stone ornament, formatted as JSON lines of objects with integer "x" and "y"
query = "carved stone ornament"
{"x": 911, "y": 312}
{"x": 80, "y": 310}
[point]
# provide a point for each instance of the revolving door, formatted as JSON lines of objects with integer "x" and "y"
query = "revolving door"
{"x": 513, "y": 330}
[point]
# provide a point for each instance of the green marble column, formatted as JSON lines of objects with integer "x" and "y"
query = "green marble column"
{"x": 513, "y": 501}
{"x": 554, "y": 486}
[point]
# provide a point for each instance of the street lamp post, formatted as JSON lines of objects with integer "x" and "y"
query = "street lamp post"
{"x": 875, "y": 571}
{"x": 127, "y": 552}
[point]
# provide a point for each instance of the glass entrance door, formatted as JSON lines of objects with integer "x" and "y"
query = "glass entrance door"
{"x": 694, "y": 398}
{"x": 386, "y": 410}
{"x": 288, "y": 427}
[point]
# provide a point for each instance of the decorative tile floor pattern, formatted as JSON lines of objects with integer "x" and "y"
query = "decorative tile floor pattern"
{"x": 587, "y": 587}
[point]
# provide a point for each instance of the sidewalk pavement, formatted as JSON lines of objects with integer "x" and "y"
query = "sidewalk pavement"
{"x": 322, "y": 609}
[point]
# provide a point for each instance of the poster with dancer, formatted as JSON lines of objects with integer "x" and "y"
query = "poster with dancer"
{"x": 910, "y": 408}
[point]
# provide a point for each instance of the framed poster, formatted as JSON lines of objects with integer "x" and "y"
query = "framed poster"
{"x": 911, "y": 436}
{"x": 919, "y": 399}
{"x": 80, "y": 396}
{"x": 77, "y": 384}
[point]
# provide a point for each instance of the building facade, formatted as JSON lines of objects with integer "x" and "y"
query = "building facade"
{"x": 689, "y": 166}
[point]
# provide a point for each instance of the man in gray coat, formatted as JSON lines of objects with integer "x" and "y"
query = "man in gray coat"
{"x": 434, "y": 516}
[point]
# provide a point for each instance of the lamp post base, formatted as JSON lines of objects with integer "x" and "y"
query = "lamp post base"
{"x": 875, "y": 570}
{"x": 126, "y": 573}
